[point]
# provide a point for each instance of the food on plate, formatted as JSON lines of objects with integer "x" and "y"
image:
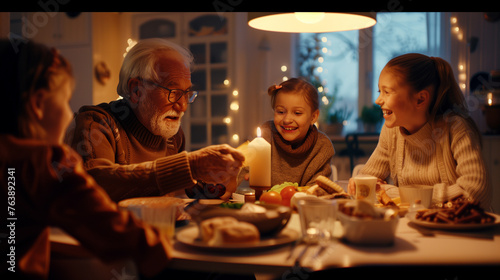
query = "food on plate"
{"x": 271, "y": 197}
{"x": 202, "y": 190}
{"x": 300, "y": 195}
{"x": 360, "y": 209}
{"x": 316, "y": 190}
{"x": 228, "y": 230}
{"x": 287, "y": 194}
{"x": 280, "y": 187}
{"x": 336, "y": 196}
{"x": 458, "y": 210}
{"x": 383, "y": 198}
{"x": 208, "y": 226}
{"x": 325, "y": 187}
{"x": 328, "y": 185}
{"x": 364, "y": 224}
{"x": 253, "y": 208}
{"x": 232, "y": 205}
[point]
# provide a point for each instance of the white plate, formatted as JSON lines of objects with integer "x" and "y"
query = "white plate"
{"x": 411, "y": 217}
{"x": 189, "y": 236}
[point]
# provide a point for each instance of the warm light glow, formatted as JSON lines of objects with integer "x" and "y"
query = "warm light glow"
{"x": 320, "y": 89}
{"x": 324, "y": 50}
{"x": 310, "y": 18}
{"x": 453, "y": 20}
{"x": 324, "y": 39}
{"x": 321, "y": 59}
{"x": 310, "y": 22}
{"x": 462, "y": 77}
{"x": 235, "y": 93}
{"x": 258, "y": 132}
{"x": 236, "y": 137}
{"x": 490, "y": 98}
{"x": 456, "y": 29}
{"x": 131, "y": 43}
{"x": 324, "y": 99}
{"x": 319, "y": 69}
{"x": 226, "y": 82}
{"x": 234, "y": 106}
{"x": 285, "y": 78}
{"x": 461, "y": 67}
{"x": 283, "y": 68}
{"x": 227, "y": 120}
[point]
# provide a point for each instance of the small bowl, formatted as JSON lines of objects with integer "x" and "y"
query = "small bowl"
{"x": 135, "y": 205}
{"x": 270, "y": 222}
{"x": 370, "y": 231}
{"x": 409, "y": 194}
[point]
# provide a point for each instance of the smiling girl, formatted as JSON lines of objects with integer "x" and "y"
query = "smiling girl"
{"x": 428, "y": 137}
{"x": 299, "y": 151}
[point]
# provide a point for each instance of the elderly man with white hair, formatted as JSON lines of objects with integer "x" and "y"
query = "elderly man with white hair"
{"x": 135, "y": 146}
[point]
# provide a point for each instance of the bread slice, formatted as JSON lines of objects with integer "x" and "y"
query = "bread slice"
{"x": 328, "y": 185}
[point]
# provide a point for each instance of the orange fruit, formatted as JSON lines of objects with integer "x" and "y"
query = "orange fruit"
{"x": 271, "y": 197}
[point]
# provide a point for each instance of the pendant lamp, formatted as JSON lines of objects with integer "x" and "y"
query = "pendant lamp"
{"x": 310, "y": 22}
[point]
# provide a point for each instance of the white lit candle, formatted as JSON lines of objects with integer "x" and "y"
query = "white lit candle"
{"x": 260, "y": 163}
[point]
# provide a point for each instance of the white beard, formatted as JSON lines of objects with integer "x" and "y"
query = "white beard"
{"x": 165, "y": 128}
{"x": 158, "y": 124}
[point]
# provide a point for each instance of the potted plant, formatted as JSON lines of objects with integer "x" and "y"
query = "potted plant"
{"x": 334, "y": 117}
{"x": 371, "y": 117}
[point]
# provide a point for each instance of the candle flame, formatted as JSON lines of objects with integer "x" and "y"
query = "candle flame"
{"x": 258, "y": 132}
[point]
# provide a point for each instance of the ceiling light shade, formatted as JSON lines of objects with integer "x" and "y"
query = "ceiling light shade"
{"x": 306, "y": 22}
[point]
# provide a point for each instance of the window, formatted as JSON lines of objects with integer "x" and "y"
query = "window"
{"x": 345, "y": 66}
{"x": 210, "y": 119}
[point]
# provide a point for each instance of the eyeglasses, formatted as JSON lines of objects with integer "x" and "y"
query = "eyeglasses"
{"x": 175, "y": 95}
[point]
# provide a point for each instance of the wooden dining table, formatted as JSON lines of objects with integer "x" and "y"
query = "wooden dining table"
{"x": 414, "y": 246}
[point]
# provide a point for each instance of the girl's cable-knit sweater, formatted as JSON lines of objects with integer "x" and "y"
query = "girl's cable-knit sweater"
{"x": 298, "y": 164}
{"x": 445, "y": 155}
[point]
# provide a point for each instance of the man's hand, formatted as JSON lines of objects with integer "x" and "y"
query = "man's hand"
{"x": 217, "y": 164}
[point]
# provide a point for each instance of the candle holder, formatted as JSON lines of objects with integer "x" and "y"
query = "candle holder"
{"x": 259, "y": 190}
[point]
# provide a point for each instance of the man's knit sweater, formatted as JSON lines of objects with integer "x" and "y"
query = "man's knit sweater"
{"x": 447, "y": 156}
{"x": 300, "y": 164}
{"x": 124, "y": 157}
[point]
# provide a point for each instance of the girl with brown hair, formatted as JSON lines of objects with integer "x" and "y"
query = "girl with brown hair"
{"x": 428, "y": 137}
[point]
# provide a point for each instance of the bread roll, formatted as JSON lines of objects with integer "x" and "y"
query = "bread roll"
{"x": 239, "y": 233}
{"x": 228, "y": 230}
{"x": 207, "y": 227}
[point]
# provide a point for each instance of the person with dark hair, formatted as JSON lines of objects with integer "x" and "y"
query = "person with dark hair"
{"x": 428, "y": 137}
{"x": 43, "y": 180}
{"x": 135, "y": 146}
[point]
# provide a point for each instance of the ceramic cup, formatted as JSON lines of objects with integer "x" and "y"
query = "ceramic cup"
{"x": 365, "y": 187}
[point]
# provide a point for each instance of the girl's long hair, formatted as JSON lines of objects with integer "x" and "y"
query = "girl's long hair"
{"x": 421, "y": 72}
